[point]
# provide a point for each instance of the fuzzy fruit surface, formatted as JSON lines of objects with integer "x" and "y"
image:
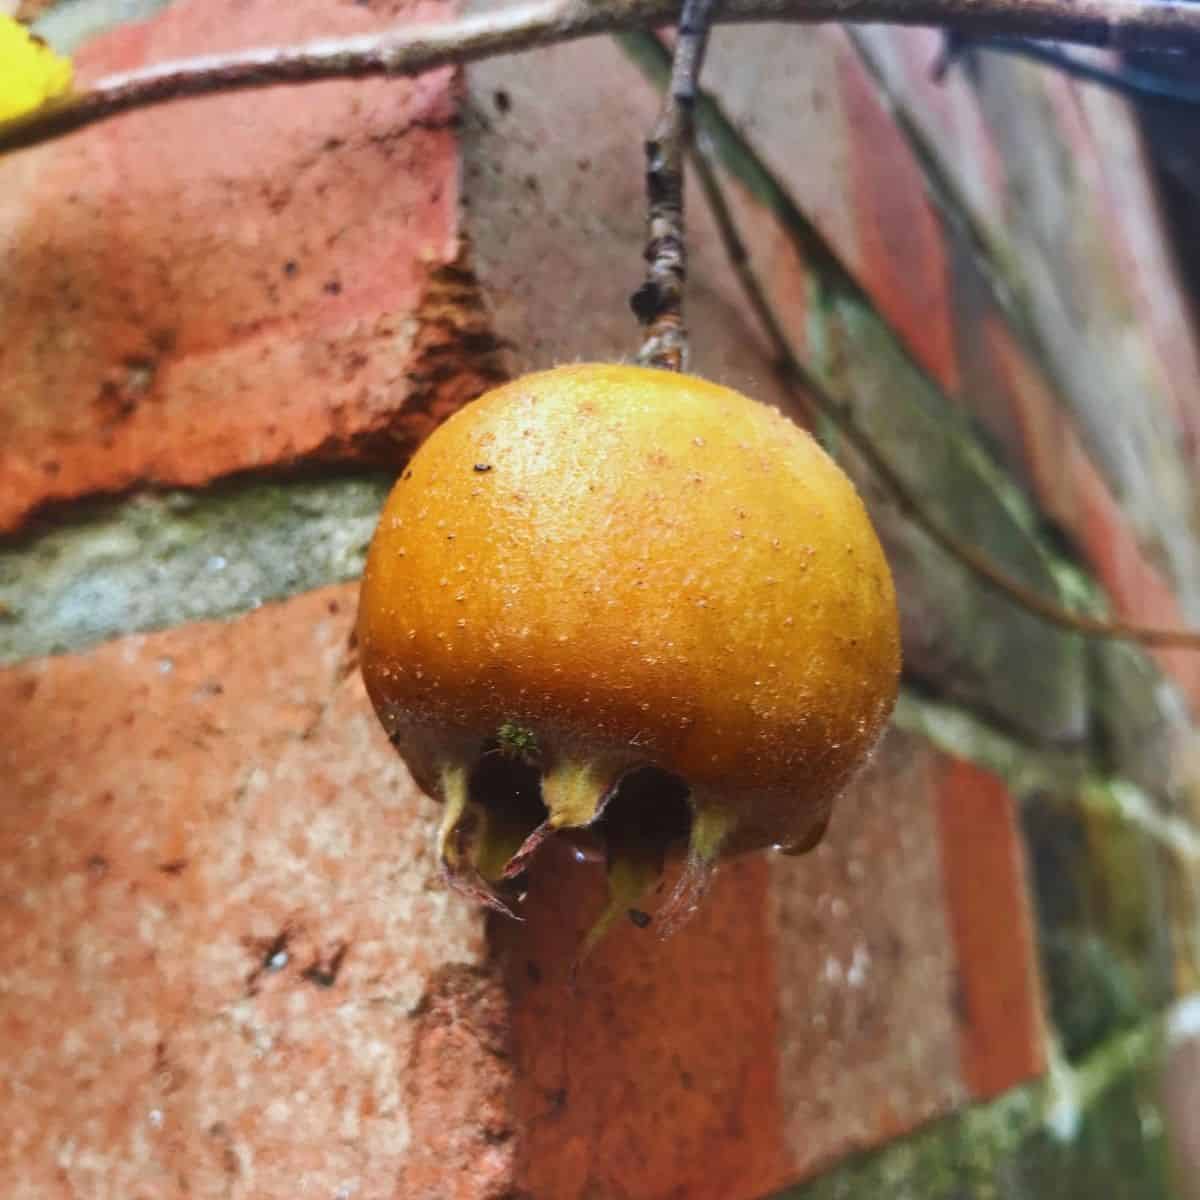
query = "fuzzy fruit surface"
{"x": 634, "y": 568}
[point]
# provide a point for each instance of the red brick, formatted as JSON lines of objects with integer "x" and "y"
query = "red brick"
{"x": 658, "y": 1075}
{"x": 998, "y": 1003}
{"x": 869, "y": 1047}
{"x": 902, "y": 259}
{"x": 835, "y": 148}
{"x": 945, "y": 111}
{"x": 1070, "y": 489}
{"x": 1119, "y": 177}
{"x": 1138, "y": 590}
{"x": 790, "y": 109}
{"x": 1044, "y": 435}
{"x": 173, "y": 806}
{"x": 226, "y": 283}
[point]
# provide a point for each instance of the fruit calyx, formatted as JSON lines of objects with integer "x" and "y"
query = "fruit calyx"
{"x": 501, "y": 809}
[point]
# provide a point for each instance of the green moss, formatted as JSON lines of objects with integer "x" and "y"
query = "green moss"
{"x": 1119, "y": 1152}
{"x": 1103, "y": 925}
{"x": 1027, "y": 771}
{"x": 955, "y": 1159}
{"x": 1092, "y": 1132}
{"x": 159, "y": 560}
{"x": 516, "y": 741}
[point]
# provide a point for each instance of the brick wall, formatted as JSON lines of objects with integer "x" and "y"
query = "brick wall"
{"x": 228, "y": 967}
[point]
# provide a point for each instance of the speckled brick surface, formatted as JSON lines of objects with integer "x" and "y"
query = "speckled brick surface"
{"x": 226, "y": 283}
{"x": 224, "y": 938}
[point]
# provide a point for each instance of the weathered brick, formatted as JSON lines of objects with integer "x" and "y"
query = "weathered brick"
{"x": 997, "y": 985}
{"x": 1109, "y": 1135}
{"x": 225, "y": 945}
{"x": 555, "y": 211}
{"x": 1071, "y": 491}
{"x": 844, "y": 164}
{"x": 1083, "y": 300}
{"x": 1071, "y": 241}
{"x": 201, "y": 820}
{"x": 870, "y": 1045}
{"x": 960, "y": 637}
{"x": 1139, "y": 591}
{"x": 945, "y": 112}
{"x": 902, "y": 245}
{"x": 1103, "y": 919}
{"x": 659, "y": 1070}
{"x": 186, "y": 293}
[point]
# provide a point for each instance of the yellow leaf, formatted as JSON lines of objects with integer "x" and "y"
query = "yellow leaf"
{"x": 30, "y": 72}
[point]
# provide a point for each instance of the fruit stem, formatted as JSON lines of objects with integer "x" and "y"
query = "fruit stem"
{"x": 658, "y": 303}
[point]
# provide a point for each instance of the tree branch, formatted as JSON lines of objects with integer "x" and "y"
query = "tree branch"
{"x": 796, "y": 376}
{"x": 658, "y": 303}
{"x": 411, "y": 50}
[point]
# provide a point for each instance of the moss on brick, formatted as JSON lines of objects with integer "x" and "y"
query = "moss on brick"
{"x": 159, "y": 560}
{"x": 1026, "y": 770}
{"x": 1102, "y": 919}
{"x": 1095, "y": 1131}
{"x": 967, "y": 641}
{"x": 1119, "y": 1152}
{"x": 956, "y": 1159}
{"x": 1113, "y": 876}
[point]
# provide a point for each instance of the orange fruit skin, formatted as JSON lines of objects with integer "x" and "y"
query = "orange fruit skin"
{"x": 642, "y": 568}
